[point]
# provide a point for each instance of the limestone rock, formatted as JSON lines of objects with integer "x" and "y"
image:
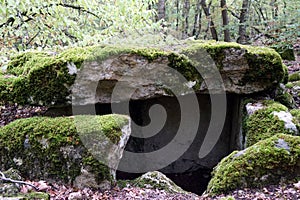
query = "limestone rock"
{"x": 267, "y": 118}
{"x": 89, "y": 75}
{"x": 157, "y": 180}
{"x": 269, "y": 161}
{"x": 66, "y": 149}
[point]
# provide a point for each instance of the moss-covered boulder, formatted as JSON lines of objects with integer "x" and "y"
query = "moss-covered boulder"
{"x": 65, "y": 149}
{"x": 264, "y": 119}
{"x": 48, "y": 78}
{"x": 285, "y": 50}
{"x": 269, "y": 161}
{"x": 157, "y": 180}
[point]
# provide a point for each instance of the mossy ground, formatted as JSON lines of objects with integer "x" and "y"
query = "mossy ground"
{"x": 263, "y": 124}
{"x": 294, "y": 77}
{"x": 44, "y": 78}
{"x": 30, "y": 196}
{"x": 296, "y": 115}
{"x": 267, "y": 162}
{"x": 45, "y": 157}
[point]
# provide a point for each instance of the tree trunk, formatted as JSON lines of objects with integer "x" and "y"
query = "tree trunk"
{"x": 243, "y": 38}
{"x": 161, "y": 10}
{"x": 225, "y": 21}
{"x": 177, "y": 15}
{"x": 274, "y": 5}
{"x": 185, "y": 16}
{"x": 197, "y": 20}
{"x": 210, "y": 21}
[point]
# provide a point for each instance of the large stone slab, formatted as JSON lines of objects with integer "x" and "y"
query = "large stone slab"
{"x": 82, "y": 150}
{"x": 48, "y": 78}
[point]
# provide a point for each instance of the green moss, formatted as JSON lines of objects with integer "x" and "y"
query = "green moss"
{"x": 292, "y": 84}
{"x": 286, "y": 74}
{"x": 18, "y": 62}
{"x": 227, "y": 198}
{"x": 157, "y": 180}
{"x": 44, "y": 77}
{"x": 55, "y": 151}
{"x": 263, "y": 124}
{"x": 36, "y": 196}
{"x": 286, "y": 51}
{"x": 286, "y": 99}
{"x": 296, "y": 115}
{"x": 264, "y": 63}
{"x": 294, "y": 77}
{"x": 267, "y": 162}
{"x": 29, "y": 196}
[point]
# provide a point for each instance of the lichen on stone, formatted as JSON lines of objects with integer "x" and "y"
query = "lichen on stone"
{"x": 267, "y": 162}
{"x": 264, "y": 123}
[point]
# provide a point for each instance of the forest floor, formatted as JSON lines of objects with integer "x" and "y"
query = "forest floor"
{"x": 62, "y": 192}
{"x": 12, "y": 112}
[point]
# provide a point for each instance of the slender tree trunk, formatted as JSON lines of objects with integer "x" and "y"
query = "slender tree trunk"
{"x": 210, "y": 21}
{"x": 197, "y": 20}
{"x": 225, "y": 21}
{"x": 177, "y": 15}
{"x": 274, "y": 4}
{"x": 243, "y": 38}
{"x": 185, "y": 16}
{"x": 161, "y": 10}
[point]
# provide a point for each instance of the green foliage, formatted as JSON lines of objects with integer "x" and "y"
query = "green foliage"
{"x": 36, "y": 23}
{"x": 267, "y": 162}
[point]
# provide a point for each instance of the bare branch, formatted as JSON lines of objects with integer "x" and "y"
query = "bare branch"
{"x": 3, "y": 177}
{"x": 234, "y": 14}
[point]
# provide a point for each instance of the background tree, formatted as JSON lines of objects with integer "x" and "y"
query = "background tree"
{"x": 225, "y": 21}
{"x": 161, "y": 9}
{"x": 211, "y": 24}
{"x": 185, "y": 16}
{"x": 35, "y": 23}
{"x": 243, "y": 37}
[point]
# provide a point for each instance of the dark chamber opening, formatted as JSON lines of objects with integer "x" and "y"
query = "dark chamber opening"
{"x": 189, "y": 172}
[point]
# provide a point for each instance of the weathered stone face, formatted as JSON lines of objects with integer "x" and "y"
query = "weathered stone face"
{"x": 61, "y": 149}
{"x": 48, "y": 79}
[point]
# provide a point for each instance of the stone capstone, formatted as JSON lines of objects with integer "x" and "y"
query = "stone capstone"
{"x": 91, "y": 74}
